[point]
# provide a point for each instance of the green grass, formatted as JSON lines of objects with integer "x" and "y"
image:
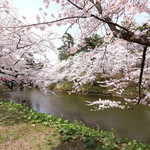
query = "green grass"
{"x": 23, "y": 126}
{"x": 95, "y": 87}
{"x": 131, "y": 90}
{"x": 52, "y": 86}
{"x": 66, "y": 86}
{"x": 4, "y": 88}
{"x": 90, "y": 88}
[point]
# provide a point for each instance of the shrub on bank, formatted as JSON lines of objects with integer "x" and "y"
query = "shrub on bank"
{"x": 97, "y": 87}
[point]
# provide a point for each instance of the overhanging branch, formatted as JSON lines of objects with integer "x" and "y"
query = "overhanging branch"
{"x": 75, "y": 5}
{"x": 141, "y": 75}
{"x": 109, "y": 22}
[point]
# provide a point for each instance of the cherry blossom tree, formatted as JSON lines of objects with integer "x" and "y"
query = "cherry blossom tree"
{"x": 22, "y": 52}
{"x": 118, "y": 16}
{"x": 116, "y": 20}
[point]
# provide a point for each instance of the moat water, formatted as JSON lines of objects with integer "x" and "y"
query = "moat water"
{"x": 133, "y": 124}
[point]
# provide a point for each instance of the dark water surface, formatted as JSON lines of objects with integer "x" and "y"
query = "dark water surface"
{"x": 134, "y": 124}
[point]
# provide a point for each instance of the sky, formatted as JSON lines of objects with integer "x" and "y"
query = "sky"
{"x": 29, "y": 9}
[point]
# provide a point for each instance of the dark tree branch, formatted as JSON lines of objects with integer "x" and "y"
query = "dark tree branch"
{"x": 25, "y": 46}
{"x": 109, "y": 22}
{"x": 97, "y": 5}
{"x": 124, "y": 33}
{"x": 71, "y": 26}
{"x": 18, "y": 60}
{"x": 127, "y": 35}
{"x": 94, "y": 28}
{"x": 75, "y": 5}
{"x": 142, "y": 69}
{"x": 49, "y": 22}
{"x": 17, "y": 46}
{"x": 20, "y": 47}
{"x": 141, "y": 75}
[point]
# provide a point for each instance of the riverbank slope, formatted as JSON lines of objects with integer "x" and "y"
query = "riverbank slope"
{"x": 98, "y": 87}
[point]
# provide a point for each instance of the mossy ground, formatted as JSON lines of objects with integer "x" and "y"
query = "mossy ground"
{"x": 66, "y": 86}
{"x": 22, "y": 128}
{"x": 131, "y": 90}
{"x": 93, "y": 88}
{"x": 98, "y": 87}
{"x": 4, "y": 88}
{"x": 63, "y": 86}
{"x": 86, "y": 88}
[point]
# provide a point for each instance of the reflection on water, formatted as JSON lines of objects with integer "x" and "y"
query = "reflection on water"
{"x": 134, "y": 124}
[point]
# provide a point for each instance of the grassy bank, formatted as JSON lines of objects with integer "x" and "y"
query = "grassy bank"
{"x": 130, "y": 91}
{"x": 24, "y": 128}
{"x": 4, "y": 88}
